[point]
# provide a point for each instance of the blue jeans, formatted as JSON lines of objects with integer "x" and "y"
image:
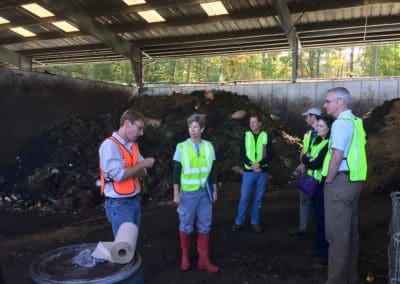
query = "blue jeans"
{"x": 195, "y": 205}
{"x": 121, "y": 210}
{"x": 253, "y": 187}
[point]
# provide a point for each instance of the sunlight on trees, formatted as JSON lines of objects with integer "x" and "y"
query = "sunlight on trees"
{"x": 349, "y": 62}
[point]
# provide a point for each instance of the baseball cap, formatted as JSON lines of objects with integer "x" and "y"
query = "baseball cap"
{"x": 313, "y": 110}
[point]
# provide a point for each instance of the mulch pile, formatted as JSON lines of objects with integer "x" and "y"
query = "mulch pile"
{"x": 59, "y": 170}
{"x": 382, "y": 125}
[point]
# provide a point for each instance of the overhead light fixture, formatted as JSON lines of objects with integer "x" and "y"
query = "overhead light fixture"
{"x": 3, "y": 21}
{"x": 151, "y": 16}
{"x": 214, "y": 8}
{"x": 37, "y": 10}
{"x": 23, "y": 32}
{"x": 134, "y": 2}
{"x": 65, "y": 26}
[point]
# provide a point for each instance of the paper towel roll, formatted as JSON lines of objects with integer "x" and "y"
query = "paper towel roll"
{"x": 122, "y": 250}
{"x": 124, "y": 246}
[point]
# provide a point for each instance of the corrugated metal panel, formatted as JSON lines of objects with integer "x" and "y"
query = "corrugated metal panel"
{"x": 317, "y": 23}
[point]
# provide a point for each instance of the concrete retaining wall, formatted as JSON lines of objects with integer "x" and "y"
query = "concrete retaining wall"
{"x": 288, "y": 100}
{"x": 31, "y": 103}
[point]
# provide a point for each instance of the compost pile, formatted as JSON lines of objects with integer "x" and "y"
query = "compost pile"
{"x": 59, "y": 170}
{"x": 382, "y": 125}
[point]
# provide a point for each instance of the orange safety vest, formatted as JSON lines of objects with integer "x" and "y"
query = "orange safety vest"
{"x": 129, "y": 185}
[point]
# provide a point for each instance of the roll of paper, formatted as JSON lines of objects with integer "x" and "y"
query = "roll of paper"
{"x": 122, "y": 250}
{"x": 124, "y": 246}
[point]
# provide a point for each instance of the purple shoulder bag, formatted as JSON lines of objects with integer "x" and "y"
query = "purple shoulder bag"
{"x": 307, "y": 184}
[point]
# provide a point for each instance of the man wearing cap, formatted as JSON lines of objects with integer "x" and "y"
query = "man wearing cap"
{"x": 345, "y": 167}
{"x": 312, "y": 116}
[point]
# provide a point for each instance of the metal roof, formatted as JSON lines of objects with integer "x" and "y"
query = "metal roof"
{"x": 110, "y": 29}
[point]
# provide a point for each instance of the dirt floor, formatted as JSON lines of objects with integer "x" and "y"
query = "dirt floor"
{"x": 245, "y": 257}
{"x": 48, "y": 199}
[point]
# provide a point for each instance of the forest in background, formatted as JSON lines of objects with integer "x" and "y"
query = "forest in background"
{"x": 346, "y": 62}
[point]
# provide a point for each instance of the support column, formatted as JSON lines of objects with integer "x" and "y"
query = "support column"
{"x": 295, "y": 58}
{"x": 137, "y": 68}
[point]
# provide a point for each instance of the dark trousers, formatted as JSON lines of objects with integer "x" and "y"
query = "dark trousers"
{"x": 320, "y": 244}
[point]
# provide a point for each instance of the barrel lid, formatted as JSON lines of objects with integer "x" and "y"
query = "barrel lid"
{"x": 56, "y": 266}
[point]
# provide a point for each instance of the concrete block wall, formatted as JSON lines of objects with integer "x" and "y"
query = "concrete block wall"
{"x": 289, "y": 100}
{"x": 31, "y": 103}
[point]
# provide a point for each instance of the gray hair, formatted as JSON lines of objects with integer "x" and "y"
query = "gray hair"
{"x": 199, "y": 118}
{"x": 341, "y": 92}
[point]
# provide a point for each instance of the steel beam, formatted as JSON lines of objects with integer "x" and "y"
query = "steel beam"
{"x": 16, "y": 59}
{"x": 76, "y": 15}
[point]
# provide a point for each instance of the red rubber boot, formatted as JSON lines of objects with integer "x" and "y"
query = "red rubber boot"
{"x": 203, "y": 250}
{"x": 185, "y": 247}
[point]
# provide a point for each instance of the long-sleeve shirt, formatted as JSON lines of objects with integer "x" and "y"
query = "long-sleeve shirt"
{"x": 112, "y": 164}
{"x": 316, "y": 163}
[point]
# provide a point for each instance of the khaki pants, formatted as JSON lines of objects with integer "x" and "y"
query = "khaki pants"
{"x": 341, "y": 225}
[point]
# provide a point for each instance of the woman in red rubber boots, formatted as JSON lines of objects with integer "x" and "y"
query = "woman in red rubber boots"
{"x": 194, "y": 179}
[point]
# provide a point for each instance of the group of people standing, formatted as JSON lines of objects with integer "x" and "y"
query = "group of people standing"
{"x": 333, "y": 153}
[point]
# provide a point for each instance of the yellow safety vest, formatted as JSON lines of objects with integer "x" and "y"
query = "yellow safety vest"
{"x": 315, "y": 149}
{"x": 307, "y": 141}
{"x": 356, "y": 157}
{"x": 195, "y": 168}
{"x": 254, "y": 149}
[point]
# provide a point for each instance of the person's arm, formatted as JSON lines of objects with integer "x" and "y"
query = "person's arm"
{"x": 176, "y": 176}
{"x": 268, "y": 157}
{"x": 334, "y": 164}
{"x": 139, "y": 169}
{"x": 213, "y": 176}
{"x": 341, "y": 135}
{"x": 301, "y": 168}
{"x": 176, "y": 180}
{"x": 317, "y": 163}
{"x": 243, "y": 156}
{"x": 212, "y": 179}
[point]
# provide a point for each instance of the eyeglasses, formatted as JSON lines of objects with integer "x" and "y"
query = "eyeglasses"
{"x": 138, "y": 126}
{"x": 329, "y": 101}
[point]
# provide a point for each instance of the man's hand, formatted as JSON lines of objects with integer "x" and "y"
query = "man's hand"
{"x": 147, "y": 163}
{"x": 255, "y": 166}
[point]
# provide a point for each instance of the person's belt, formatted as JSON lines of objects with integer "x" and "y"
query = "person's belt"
{"x": 122, "y": 198}
{"x": 343, "y": 172}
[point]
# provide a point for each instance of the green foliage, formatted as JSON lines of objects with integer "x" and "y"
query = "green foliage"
{"x": 382, "y": 60}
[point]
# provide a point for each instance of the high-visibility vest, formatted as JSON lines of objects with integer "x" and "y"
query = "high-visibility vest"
{"x": 195, "y": 167}
{"x": 307, "y": 141}
{"x": 254, "y": 149}
{"x": 315, "y": 149}
{"x": 130, "y": 185}
{"x": 356, "y": 158}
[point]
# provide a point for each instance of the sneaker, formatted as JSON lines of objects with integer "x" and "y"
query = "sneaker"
{"x": 257, "y": 228}
{"x": 236, "y": 228}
